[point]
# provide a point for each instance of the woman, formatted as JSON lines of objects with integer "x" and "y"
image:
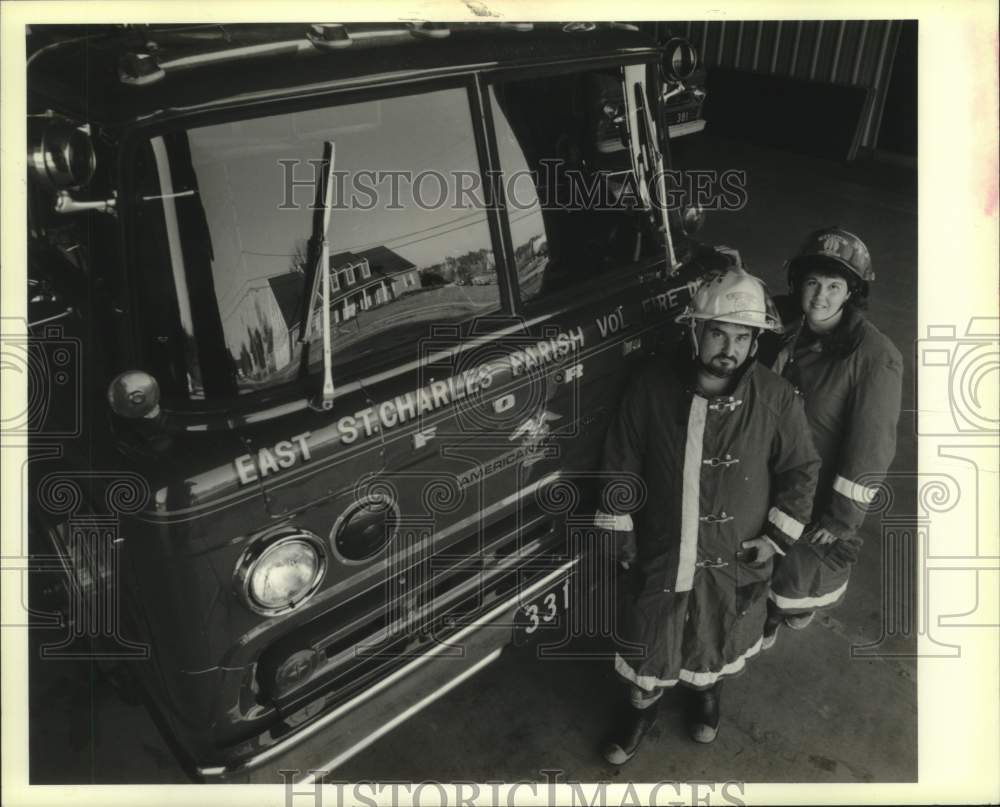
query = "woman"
{"x": 850, "y": 376}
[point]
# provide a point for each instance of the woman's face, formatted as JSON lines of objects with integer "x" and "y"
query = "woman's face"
{"x": 823, "y": 299}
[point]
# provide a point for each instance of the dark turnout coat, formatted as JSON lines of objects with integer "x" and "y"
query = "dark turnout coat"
{"x": 707, "y": 474}
{"x": 851, "y": 383}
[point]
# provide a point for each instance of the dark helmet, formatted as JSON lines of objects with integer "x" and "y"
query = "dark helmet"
{"x": 834, "y": 248}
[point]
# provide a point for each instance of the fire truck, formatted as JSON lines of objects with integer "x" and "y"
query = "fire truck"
{"x": 326, "y": 323}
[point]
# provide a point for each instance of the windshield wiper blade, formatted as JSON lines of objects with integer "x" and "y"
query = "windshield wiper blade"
{"x": 320, "y": 278}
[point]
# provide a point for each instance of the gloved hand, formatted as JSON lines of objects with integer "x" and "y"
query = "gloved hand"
{"x": 843, "y": 552}
{"x": 617, "y": 539}
{"x": 758, "y": 550}
{"x": 821, "y": 535}
{"x": 624, "y": 547}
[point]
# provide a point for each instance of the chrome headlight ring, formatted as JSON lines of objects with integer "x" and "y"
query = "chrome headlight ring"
{"x": 267, "y": 549}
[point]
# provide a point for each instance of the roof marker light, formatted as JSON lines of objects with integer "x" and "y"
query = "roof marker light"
{"x": 329, "y": 36}
{"x": 430, "y": 30}
{"x": 139, "y": 69}
{"x": 134, "y": 395}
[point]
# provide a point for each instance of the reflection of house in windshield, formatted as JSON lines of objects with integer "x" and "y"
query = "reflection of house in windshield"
{"x": 359, "y": 281}
{"x": 268, "y": 322}
{"x": 363, "y": 280}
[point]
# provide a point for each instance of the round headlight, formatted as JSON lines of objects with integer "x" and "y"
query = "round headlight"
{"x": 365, "y": 529}
{"x": 281, "y": 574}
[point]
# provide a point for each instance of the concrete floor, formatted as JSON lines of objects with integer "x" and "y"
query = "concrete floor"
{"x": 809, "y": 710}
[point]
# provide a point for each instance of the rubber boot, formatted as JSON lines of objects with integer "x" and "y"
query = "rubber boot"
{"x": 703, "y": 717}
{"x": 771, "y": 626}
{"x": 632, "y": 725}
{"x": 799, "y": 621}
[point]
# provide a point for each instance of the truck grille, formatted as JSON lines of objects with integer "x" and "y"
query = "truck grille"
{"x": 366, "y": 638}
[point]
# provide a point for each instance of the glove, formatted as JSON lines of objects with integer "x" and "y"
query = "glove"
{"x": 758, "y": 550}
{"x": 843, "y": 552}
{"x": 622, "y": 547}
{"x": 618, "y": 544}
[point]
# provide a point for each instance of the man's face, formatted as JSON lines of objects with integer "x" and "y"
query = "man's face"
{"x": 723, "y": 347}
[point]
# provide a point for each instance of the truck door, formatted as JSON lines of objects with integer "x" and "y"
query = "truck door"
{"x": 588, "y": 246}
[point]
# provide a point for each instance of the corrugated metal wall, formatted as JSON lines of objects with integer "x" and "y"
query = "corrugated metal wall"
{"x": 858, "y": 52}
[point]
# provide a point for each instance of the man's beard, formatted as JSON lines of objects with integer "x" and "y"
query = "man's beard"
{"x": 726, "y": 370}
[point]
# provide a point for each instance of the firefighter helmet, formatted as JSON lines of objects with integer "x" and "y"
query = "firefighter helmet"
{"x": 733, "y": 296}
{"x": 834, "y": 248}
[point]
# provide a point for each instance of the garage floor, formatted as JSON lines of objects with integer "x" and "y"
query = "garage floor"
{"x": 834, "y": 703}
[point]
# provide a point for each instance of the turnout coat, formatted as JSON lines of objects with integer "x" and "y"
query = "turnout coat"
{"x": 851, "y": 383}
{"x": 695, "y": 477}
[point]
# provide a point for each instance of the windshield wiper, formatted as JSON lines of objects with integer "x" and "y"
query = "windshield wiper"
{"x": 321, "y": 275}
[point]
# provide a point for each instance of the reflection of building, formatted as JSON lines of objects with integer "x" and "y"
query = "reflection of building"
{"x": 359, "y": 281}
{"x": 363, "y": 280}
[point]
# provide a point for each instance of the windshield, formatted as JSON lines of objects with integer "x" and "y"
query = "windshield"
{"x": 224, "y": 228}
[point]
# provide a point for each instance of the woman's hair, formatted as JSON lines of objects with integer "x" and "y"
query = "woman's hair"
{"x": 857, "y": 288}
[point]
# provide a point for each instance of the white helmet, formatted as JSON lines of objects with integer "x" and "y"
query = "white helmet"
{"x": 733, "y": 296}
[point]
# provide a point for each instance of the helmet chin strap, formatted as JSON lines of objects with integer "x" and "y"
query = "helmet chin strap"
{"x": 693, "y": 333}
{"x": 835, "y": 313}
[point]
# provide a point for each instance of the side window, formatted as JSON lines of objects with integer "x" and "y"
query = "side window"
{"x": 574, "y": 205}
{"x": 408, "y": 247}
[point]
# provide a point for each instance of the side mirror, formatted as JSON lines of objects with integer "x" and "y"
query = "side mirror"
{"x": 61, "y": 159}
{"x": 60, "y": 153}
{"x": 680, "y": 60}
{"x": 682, "y": 94}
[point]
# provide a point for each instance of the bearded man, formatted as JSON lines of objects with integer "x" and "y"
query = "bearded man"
{"x": 719, "y": 451}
